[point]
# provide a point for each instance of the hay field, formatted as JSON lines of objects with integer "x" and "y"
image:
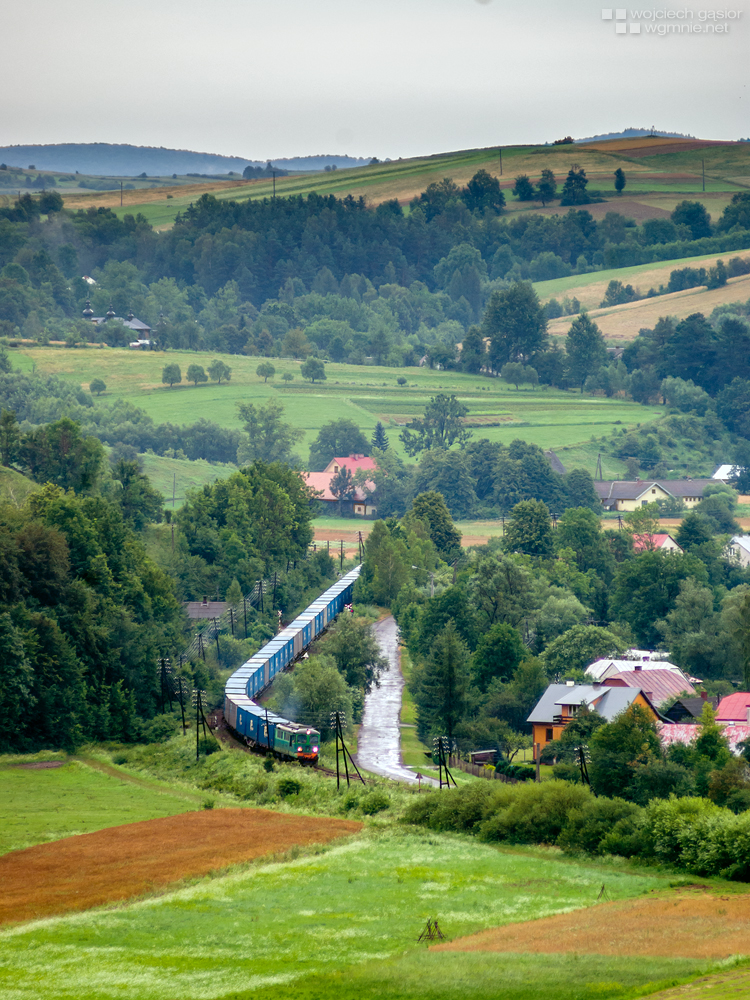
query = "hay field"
{"x": 121, "y": 862}
{"x": 688, "y": 923}
{"x": 590, "y": 288}
{"x": 622, "y": 323}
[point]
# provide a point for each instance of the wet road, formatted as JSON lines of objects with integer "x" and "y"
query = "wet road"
{"x": 379, "y": 742}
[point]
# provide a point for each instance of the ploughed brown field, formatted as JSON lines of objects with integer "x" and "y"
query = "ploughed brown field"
{"x": 125, "y": 861}
{"x": 689, "y": 923}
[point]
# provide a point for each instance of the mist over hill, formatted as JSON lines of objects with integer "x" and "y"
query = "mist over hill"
{"x": 124, "y": 160}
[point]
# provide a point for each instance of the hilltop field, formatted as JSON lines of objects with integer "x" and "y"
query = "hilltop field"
{"x": 660, "y": 173}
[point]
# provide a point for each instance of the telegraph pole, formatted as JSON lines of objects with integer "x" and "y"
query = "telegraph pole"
{"x": 338, "y": 722}
{"x": 200, "y": 719}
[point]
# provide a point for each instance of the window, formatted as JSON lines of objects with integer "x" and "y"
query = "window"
{"x": 548, "y": 735}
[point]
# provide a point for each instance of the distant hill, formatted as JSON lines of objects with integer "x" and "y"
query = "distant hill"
{"x": 634, "y": 133}
{"x": 123, "y": 160}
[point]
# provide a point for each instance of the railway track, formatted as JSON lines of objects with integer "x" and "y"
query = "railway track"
{"x": 222, "y": 732}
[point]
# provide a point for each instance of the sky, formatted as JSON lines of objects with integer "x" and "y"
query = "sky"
{"x": 273, "y": 78}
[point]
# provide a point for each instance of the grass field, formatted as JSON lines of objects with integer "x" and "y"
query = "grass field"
{"x": 338, "y": 923}
{"x": 548, "y": 417}
{"x": 40, "y": 804}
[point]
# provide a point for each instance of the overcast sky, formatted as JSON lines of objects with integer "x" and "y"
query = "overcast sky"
{"x": 273, "y": 78}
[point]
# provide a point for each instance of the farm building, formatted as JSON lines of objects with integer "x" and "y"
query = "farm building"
{"x": 625, "y": 496}
{"x": 561, "y": 703}
{"x": 633, "y": 659}
{"x": 689, "y": 710}
{"x": 738, "y": 549}
{"x": 197, "y": 610}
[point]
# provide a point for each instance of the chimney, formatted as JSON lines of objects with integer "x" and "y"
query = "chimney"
{"x": 704, "y": 695}
{"x": 205, "y": 601}
{"x": 638, "y": 667}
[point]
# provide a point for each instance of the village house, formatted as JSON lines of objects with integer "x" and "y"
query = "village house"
{"x": 655, "y": 543}
{"x": 561, "y": 703}
{"x": 659, "y": 685}
{"x": 689, "y": 710}
{"x": 140, "y": 329}
{"x": 360, "y": 504}
{"x": 621, "y": 495}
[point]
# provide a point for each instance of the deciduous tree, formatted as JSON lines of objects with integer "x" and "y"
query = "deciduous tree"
{"x": 440, "y": 427}
{"x": 171, "y": 374}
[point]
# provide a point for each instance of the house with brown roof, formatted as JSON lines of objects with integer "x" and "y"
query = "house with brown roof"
{"x": 625, "y": 495}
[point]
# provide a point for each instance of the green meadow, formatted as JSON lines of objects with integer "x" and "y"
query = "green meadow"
{"x": 343, "y": 922}
{"x": 40, "y": 804}
{"x": 548, "y": 417}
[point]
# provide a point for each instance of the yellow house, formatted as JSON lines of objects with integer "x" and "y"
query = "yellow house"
{"x": 626, "y": 496}
{"x": 561, "y": 703}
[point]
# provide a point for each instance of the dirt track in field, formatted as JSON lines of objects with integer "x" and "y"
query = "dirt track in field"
{"x": 689, "y": 923}
{"x": 126, "y": 861}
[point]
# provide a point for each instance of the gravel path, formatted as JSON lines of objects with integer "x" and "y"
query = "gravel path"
{"x": 379, "y": 738}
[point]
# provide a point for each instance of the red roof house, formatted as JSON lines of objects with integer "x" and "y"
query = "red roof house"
{"x": 734, "y": 708}
{"x": 652, "y": 543}
{"x": 352, "y": 463}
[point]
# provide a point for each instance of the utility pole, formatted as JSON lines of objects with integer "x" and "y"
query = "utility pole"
{"x": 180, "y": 692}
{"x": 599, "y": 475}
{"x": 442, "y": 748}
{"x": 216, "y": 636}
{"x": 244, "y": 612}
{"x": 338, "y": 723}
{"x": 200, "y": 719}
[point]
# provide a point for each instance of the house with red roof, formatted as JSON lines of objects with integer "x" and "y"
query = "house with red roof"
{"x": 734, "y": 708}
{"x": 360, "y": 504}
{"x": 353, "y": 463}
{"x": 655, "y": 543}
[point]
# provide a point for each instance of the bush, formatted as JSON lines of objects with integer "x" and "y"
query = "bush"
{"x": 374, "y": 802}
{"x": 462, "y": 810}
{"x": 288, "y": 786}
{"x": 208, "y": 745}
{"x": 627, "y": 837}
{"x": 120, "y": 758}
{"x": 532, "y": 814}
{"x": 208, "y": 804}
{"x": 588, "y": 826}
{"x": 158, "y": 729}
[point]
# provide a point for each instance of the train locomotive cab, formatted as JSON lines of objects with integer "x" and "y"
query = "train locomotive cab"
{"x": 306, "y": 745}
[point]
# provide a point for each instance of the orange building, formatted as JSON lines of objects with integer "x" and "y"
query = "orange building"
{"x": 561, "y": 703}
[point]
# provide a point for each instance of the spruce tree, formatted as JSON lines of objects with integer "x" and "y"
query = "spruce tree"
{"x": 380, "y": 438}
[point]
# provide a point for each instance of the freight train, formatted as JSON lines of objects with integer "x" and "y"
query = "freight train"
{"x": 255, "y": 724}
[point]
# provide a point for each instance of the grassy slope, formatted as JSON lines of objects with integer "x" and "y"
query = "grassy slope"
{"x": 550, "y": 418}
{"x": 727, "y": 170}
{"x": 41, "y": 805}
{"x": 14, "y": 487}
{"x": 318, "y": 918}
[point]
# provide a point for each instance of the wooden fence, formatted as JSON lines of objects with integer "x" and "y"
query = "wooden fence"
{"x": 479, "y": 772}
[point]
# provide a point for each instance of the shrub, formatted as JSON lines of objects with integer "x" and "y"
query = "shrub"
{"x": 462, "y": 810}
{"x": 374, "y": 802}
{"x": 288, "y": 785}
{"x": 208, "y": 804}
{"x": 120, "y": 758}
{"x": 587, "y": 827}
{"x": 529, "y": 814}
{"x": 268, "y": 764}
{"x": 627, "y": 837}
{"x": 208, "y": 745}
